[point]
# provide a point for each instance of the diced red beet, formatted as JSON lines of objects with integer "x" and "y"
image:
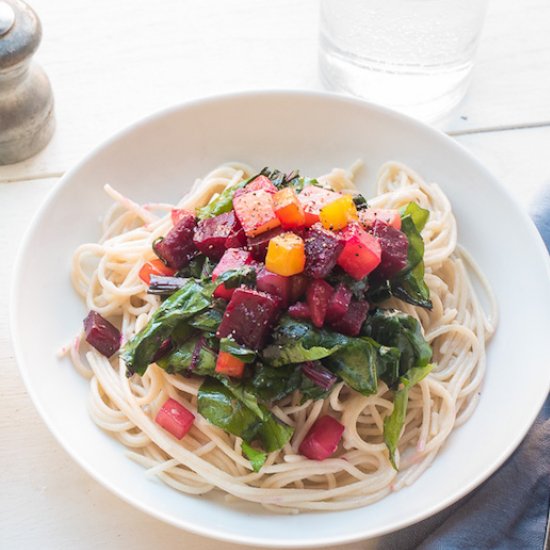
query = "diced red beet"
{"x": 318, "y": 294}
{"x": 233, "y": 258}
{"x": 338, "y": 303}
{"x": 395, "y": 248}
{"x": 175, "y": 418}
{"x": 255, "y": 211}
{"x": 275, "y": 284}
{"x": 362, "y": 252}
{"x": 101, "y": 334}
{"x": 249, "y": 317}
{"x": 261, "y": 182}
{"x": 351, "y": 323}
{"x": 299, "y": 310}
{"x": 212, "y": 234}
{"x": 177, "y": 249}
{"x": 322, "y": 249}
{"x": 298, "y": 287}
{"x": 258, "y": 245}
{"x": 236, "y": 239}
{"x": 322, "y": 439}
{"x": 177, "y": 214}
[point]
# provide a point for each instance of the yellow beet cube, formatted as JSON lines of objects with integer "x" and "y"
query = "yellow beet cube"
{"x": 337, "y": 214}
{"x": 286, "y": 255}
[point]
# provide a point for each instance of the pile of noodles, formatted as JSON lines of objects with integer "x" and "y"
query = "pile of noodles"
{"x": 105, "y": 274}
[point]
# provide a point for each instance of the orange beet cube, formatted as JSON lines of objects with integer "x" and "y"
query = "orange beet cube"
{"x": 256, "y": 212}
{"x": 312, "y": 199}
{"x": 288, "y": 209}
{"x": 286, "y": 255}
{"x": 229, "y": 365}
{"x": 338, "y": 213}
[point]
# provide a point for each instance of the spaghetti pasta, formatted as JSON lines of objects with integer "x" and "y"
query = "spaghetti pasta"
{"x": 105, "y": 274}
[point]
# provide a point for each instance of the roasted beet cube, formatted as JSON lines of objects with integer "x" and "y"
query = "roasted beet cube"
{"x": 255, "y": 211}
{"x": 233, "y": 258}
{"x": 322, "y": 439}
{"x": 338, "y": 303}
{"x": 175, "y": 418}
{"x": 313, "y": 198}
{"x": 249, "y": 317}
{"x": 236, "y": 239}
{"x": 395, "y": 248}
{"x": 177, "y": 249}
{"x": 212, "y": 234}
{"x": 298, "y": 287}
{"x": 299, "y": 310}
{"x": 177, "y": 214}
{"x": 362, "y": 252}
{"x": 101, "y": 334}
{"x": 261, "y": 182}
{"x": 258, "y": 245}
{"x": 318, "y": 294}
{"x": 322, "y": 249}
{"x": 275, "y": 284}
{"x": 353, "y": 319}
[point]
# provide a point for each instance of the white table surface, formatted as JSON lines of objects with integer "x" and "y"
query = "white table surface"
{"x": 111, "y": 63}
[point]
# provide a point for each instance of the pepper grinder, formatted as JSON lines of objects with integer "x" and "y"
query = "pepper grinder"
{"x": 26, "y": 99}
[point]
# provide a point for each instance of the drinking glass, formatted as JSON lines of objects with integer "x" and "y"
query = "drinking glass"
{"x": 415, "y": 56}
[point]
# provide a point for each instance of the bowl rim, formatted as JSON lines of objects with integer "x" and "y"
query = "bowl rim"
{"x": 215, "y": 533}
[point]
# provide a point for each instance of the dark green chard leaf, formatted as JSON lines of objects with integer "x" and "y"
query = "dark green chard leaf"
{"x": 399, "y": 330}
{"x": 181, "y": 333}
{"x": 356, "y": 364}
{"x": 257, "y": 458}
{"x": 409, "y": 285}
{"x": 220, "y": 407}
{"x": 194, "y": 268}
{"x": 229, "y": 345}
{"x": 393, "y": 424}
{"x": 141, "y": 350}
{"x": 360, "y": 202}
{"x": 274, "y": 434}
{"x": 208, "y": 320}
{"x": 245, "y": 395}
{"x": 278, "y": 178}
{"x": 415, "y": 253}
{"x": 222, "y": 203}
{"x": 297, "y": 341}
{"x": 272, "y": 384}
{"x": 387, "y": 368}
{"x": 236, "y": 277}
{"x": 412, "y": 289}
{"x": 292, "y": 179}
{"x": 418, "y": 215}
{"x": 235, "y": 409}
{"x": 181, "y": 359}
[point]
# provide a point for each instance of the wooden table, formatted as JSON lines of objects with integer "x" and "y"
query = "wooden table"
{"x": 111, "y": 63}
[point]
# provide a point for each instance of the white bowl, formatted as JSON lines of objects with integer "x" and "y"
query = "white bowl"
{"x": 156, "y": 160}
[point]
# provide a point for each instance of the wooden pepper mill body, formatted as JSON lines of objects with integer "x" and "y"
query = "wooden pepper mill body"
{"x": 26, "y": 99}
